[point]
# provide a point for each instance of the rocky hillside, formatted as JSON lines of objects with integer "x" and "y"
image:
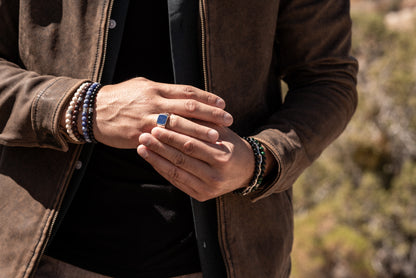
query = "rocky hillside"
{"x": 355, "y": 207}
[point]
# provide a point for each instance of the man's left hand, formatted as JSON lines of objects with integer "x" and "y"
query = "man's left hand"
{"x": 201, "y": 169}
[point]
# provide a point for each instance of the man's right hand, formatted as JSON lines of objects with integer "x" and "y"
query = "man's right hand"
{"x": 126, "y": 110}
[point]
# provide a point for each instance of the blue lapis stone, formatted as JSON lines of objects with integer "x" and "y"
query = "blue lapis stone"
{"x": 162, "y": 119}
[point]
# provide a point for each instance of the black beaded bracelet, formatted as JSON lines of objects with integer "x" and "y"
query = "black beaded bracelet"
{"x": 88, "y": 112}
{"x": 91, "y": 114}
{"x": 260, "y": 164}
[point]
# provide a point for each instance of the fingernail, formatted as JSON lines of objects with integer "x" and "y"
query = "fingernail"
{"x": 213, "y": 135}
{"x": 220, "y": 103}
{"x": 228, "y": 119}
{"x": 141, "y": 150}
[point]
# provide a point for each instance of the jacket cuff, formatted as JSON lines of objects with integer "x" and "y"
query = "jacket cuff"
{"x": 47, "y": 109}
{"x": 291, "y": 161}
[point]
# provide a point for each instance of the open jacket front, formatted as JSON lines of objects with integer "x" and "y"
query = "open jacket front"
{"x": 48, "y": 48}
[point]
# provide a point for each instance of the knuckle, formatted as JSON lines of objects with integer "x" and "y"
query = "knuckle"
{"x": 211, "y": 99}
{"x": 179, "y": 159}
{"x": 141, "y": 79}
{"x": 190, "y": 105}
{"x": 189, "y": 92}
{"x": 188, "y": 147}
{"x": 218, "y": 114}
{"x": 173, "y": 174}
{"x": 150, "y": 88}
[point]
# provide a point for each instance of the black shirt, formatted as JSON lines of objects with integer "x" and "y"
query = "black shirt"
{"x": 126, "y": 220}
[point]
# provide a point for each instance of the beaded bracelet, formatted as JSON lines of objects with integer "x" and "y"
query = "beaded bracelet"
{"x": 88, "y": 111}
{"x": 90, "y": 114}
{"x": 260, "y": 164}
{"x": 72, "y": 112}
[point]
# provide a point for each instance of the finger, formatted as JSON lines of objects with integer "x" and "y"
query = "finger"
{"x": 211, "y": 180}
{"x": 178, "y": 177}
{"x": 177, "y": 158}
{"x": 190, "y": 92}
{"x": 204, "y": 151}
{"x": 190, "y": 128}
{"x": 193, "y": 109}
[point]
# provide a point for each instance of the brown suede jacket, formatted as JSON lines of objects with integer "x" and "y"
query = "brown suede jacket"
{"x": 48, "y": 48}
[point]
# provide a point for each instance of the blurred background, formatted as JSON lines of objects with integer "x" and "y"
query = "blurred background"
{"x": 355, "y": 208}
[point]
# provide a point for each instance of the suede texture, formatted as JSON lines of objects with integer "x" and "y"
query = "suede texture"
{"x": 48, "y": 48}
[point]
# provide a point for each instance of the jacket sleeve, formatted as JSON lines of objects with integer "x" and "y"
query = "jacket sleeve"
{"x": 30, "y": 104}
{"x": 313, "y": 44}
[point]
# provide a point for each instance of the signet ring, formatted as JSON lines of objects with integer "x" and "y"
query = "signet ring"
{"x": 162, "y": 119}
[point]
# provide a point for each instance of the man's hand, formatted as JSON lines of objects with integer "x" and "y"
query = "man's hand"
{"x": 126, "y": 110}
{"x": 203, "y": 170}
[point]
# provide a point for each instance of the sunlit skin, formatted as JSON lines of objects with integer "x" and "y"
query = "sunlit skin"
{"x": 202, "y": 169}
{"x": 202, "y": 157}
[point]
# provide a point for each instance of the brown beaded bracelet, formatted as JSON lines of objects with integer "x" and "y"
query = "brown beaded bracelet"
{"x": 71, "y": 116}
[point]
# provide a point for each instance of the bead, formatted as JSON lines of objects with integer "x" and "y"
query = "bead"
{"x": 73, "y": 111}
{"x": 87, "y": 112}
{"x": 259, "y": 168}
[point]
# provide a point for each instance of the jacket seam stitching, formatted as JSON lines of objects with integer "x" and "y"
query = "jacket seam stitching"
{"x": 208, "y": 48}
{"x": 100, "y": 35}
{"x": 60, "y": 194}
{"x": 36, "y": 106}
{"x": 55, "y": 128}
{"x": 53, "y": 205}
{"x": 37, "y": 244}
